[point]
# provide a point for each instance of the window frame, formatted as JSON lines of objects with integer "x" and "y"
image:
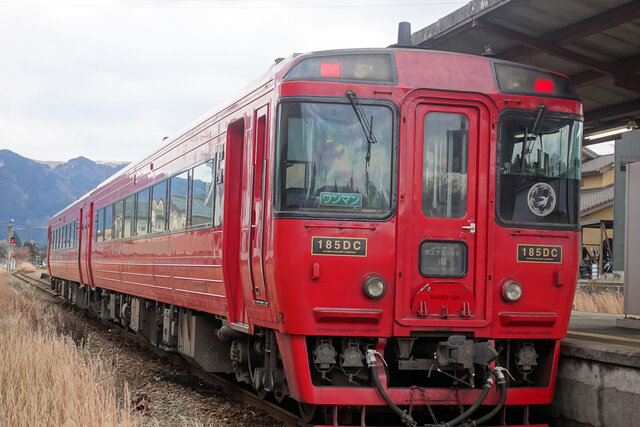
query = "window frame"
{"x": 186, "y": 201}
{"x": 215, "y": 157}
{"x": 448, "y": 147}
{"x": 522, "y": 224}
{"x": 337, "y": 216}
{"x": 131, "y": 227}
{"x": 214, "y": 184}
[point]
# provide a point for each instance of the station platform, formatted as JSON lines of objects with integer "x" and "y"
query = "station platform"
{"x": 599, "y": 337}
{"x": 598, "y": 380}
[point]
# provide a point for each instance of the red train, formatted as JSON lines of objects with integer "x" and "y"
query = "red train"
{"x": 362, "y": 228}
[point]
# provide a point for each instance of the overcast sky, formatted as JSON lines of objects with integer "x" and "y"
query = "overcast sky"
{"x": 109, "y": 79}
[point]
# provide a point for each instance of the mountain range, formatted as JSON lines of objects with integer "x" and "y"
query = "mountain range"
{"x": 33, "y": 191}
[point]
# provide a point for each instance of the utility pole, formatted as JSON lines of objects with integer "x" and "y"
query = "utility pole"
{"x": 11, "y": 257}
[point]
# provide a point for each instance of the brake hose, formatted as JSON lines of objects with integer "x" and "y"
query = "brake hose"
{"x": 502, "y": 384}
{"x": 409, "y": 421}
{"x": 404, "y": 415}
{"x": 466, "y": 414}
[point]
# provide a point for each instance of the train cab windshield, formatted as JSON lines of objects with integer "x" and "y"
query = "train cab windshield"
{"x": 539, "y": 169}
{"x": 327, "y": 164}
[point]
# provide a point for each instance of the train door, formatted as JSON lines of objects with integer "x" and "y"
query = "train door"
{"x": 445, "y": 247}
{"x": 90, "y": 223}
{"x": 234, "y": 251}
{"x": 256, "y": 205}
{"x": 79, "y": 239}
{"x": 49, "y": 249}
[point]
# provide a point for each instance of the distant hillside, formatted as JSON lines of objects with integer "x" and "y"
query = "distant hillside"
{"x": 32, "y": 191}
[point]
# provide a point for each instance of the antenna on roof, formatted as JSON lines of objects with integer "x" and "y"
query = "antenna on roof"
{"x": 404, "y": 36}
{"x": 488, "y": 51}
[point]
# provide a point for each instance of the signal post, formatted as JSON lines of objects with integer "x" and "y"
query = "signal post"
{"x": 11, "y": 257}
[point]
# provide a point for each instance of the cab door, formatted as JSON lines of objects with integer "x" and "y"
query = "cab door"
{"x": 444, "y": 243}
{"x": 256, "y": 200}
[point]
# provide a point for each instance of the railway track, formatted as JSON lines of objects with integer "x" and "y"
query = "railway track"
{"x": 282, "y": 415}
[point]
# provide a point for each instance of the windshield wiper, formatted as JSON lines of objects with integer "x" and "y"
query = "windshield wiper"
{"x": 527, "y": 147}
{"x": 367, "y": 126}
{"x": 542, "y": 110}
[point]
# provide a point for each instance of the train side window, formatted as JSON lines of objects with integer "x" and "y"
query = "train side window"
{"x": 108, "y": 223}
{"x": 129, "y": 205}
{"x": 158, "y": 207}
{"x": 219, "y": 196}
{"x": 65, "y": 242}
{"x": 52, "y": 243}
{"x": 142, "y": 213}
{"x": 75, "y": 234}
{"x": 203, "y": 194}
{"x": 444, "y": 165}
{"x": 100, "y": 226}
{"x": 118, "y": 213}
{"x": 178, "y": 202}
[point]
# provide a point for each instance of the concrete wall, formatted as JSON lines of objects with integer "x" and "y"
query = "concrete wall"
{"x": 598, "y": 385}
{"x": 627, "y": 151}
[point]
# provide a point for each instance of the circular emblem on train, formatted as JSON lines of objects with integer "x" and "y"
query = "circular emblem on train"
{"x": 541, "y": 199}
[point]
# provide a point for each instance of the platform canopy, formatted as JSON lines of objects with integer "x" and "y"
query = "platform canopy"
{"x": 594, "y": 42}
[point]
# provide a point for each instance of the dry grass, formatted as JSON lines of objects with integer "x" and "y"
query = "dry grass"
{"x": 45, "y": 378}
{"x": 26, "y": 267}
{"x": 599, "y": 302}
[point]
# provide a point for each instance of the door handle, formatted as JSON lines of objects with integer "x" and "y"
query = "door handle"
{"x": 471, "y": 227}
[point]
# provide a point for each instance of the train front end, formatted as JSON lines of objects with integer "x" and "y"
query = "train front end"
{"x": 424, "y": 248}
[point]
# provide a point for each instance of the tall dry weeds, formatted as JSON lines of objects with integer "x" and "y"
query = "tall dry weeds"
{"x": 599, "y": 302}
{"x": 45, "y": 378}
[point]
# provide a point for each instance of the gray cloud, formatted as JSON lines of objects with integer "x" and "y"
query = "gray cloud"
{"x": 107, "y": 80}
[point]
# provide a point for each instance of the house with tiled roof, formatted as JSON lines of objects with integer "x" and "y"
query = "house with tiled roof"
{"x": 596, "y": 204}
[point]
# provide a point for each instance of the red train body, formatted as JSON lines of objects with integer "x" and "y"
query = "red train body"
{"x": 414, "y": 205}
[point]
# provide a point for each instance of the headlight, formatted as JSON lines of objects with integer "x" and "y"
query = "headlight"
{"x": 374, "y": 287}
{"x": 511, "y": 291}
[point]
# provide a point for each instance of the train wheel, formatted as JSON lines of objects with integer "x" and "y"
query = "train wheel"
{"x": 279, "y": 394}
{"x": 307, "y": 411}
{"x": 262, "y": 393}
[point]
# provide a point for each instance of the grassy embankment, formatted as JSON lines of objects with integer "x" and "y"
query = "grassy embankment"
{"x": 46, "y": 377}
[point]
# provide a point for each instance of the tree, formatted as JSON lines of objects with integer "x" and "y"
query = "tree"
{"x": 33, "y": 251}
